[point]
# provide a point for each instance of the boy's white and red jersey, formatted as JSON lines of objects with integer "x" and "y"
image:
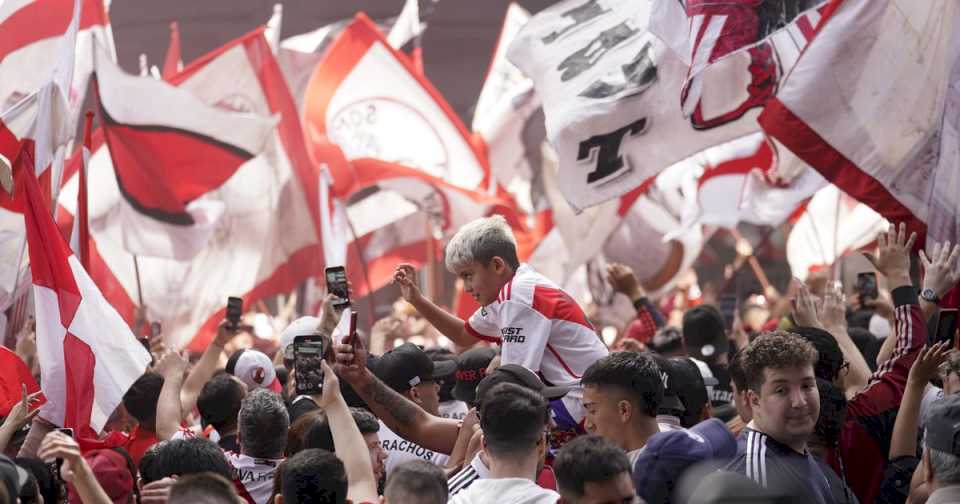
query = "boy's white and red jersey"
{"x": 540, "y": 327}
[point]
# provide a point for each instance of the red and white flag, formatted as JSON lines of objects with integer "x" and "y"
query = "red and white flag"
{"x": 88, "y": 356}
{"x": 267, "y": 240}
{"x": 80, "y": 234}
{"x": 173, "y": 61}
{"x": 872, "y": 104}
{"x": 169, "y": 152}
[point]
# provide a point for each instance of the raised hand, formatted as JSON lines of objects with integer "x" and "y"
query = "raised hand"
{"x": 331, "y": 387}
{"x": 57, "y": 445}
{"x": 351, "y": 359}
{"x": 23, "y": 411}
{"x": 892, "y": 259}
{"x": 622, "y": 279}
{"x": 404, "y": 276}
{"x": 171, "y": 365}
{"x": 833, "y": 314}
{"x": 927, "y": 365}
{"x": 941, "y": 270}
{"x": 805, "y": 309}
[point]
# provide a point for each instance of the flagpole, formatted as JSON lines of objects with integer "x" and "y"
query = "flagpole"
{"x": 136, "y": 272}
{"x": 363, "y": 265}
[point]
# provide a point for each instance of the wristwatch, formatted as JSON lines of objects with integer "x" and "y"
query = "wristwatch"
{"x": 929, "y": 296}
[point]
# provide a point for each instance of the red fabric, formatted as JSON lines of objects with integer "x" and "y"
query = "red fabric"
{"x": 642, "y": 328}
{"x": 546, "y": 479}
{"x": 43, "y": 19}
{"x": 555, "y": 304}
{"x": 83, "y": 229}
{"x": 140, "y": 441}
{"x": 173, "y": 61}
{"x": 14, "y": 373}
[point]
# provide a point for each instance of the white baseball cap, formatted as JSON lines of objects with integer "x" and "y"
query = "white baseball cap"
{"x": 254, "y": 369}
{"x": 300, "y": 327}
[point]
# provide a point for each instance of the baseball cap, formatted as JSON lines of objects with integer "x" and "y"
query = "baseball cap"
{"x": 471, "y": 368}
{"x": 684, "y": 387}
{"x": 943, "y": 425}
{"x": 518, "y": 375}
{"x": 407, "y": 366}
{"x": 254, "y": 369}
{"x": 111, "y": 470}
{"x": 704, "y": 333}
{"x": 12, "y": 475}
{"x": 303, "y": 326}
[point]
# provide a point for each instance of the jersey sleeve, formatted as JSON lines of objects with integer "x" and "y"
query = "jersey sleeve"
{"x": 525, "y": 333}
{"x": 482, "y": 325}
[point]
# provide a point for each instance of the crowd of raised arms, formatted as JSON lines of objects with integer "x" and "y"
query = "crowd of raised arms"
{"x": 819, "y": 398}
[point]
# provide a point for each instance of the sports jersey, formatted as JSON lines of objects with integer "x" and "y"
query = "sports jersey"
{"x": 400, "y": 450}
{"x": 456, "y": 410}
{"x": 253, "y": 477}
{"x": 540, "y": 327}
{"x": 772, "y": 464}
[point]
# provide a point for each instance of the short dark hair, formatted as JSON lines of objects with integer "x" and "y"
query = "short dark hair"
{"x": 589, "y": 458}
{"x": 668, "y": 341}
{"x": 219, "y": 401}
{"x": 179, "y": 457}
{"x": 297, "y": 434}
{"x": 512, "y": 419}
{"x": 44, "y": 477}
{"x": 148, "y": 463}
{"x": 829, "y": 355}
{"x": 775, "y": 350}
{"x": 735, "y": 368}
{"x": 142, "y": 397}
{"x": 263, "y": 424}
{"x": 634, "y": 373}
{"x": 208, "y": 487}
{"x": 320, "y": 436}
{"x": 314, "y": 476}
{"x": 416, "y": 481}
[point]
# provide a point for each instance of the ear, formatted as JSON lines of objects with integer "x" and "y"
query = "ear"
{"x": 625, "y": 409}
{"x": 753, "y": 398}
{"x": 497, "y": 264}
{"x": 278, "y": 499}
{"x": 414, "y": 395}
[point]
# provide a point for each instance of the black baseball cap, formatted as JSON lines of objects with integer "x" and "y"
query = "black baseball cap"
{"x": 407, "y": 365}
{"x": 704, "y": 333}
{"x": 518, "y": 375}
{"x": 943, "y": 425}
{"x": 471, "y": 368}
{"x": 684, "y": 388}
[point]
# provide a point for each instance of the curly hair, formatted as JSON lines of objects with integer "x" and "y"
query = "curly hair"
{"x": 775, "y": 350}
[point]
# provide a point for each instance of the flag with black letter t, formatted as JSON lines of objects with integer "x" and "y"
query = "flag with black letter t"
{"x": 610, "y": 92}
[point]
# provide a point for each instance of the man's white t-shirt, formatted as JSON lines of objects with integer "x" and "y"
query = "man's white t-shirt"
{"x": 456, "y": 410}
{"x": 253, "y": 477}
{"x": 540, "y": 327}
{"x": 504, "y": 490}
{"x": 400, "y": 450}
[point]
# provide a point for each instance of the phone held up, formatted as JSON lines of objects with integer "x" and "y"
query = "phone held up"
{"x": 307, "y": 355}
{"x": 234, "y": 311}
{"x": 337, "y": 285}
{"x": 867, "y": 286}
{"x": 947, "y": 327}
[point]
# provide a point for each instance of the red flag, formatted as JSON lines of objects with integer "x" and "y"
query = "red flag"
{"x": 173, "y": 63}
{"x": 14, "y": 373}
{"x": 73, "y": 319}
{"x": 80, "y": 237}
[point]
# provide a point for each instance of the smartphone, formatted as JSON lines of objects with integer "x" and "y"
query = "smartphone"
{"x": 867, "y": 286}
{"x": 353, "y": 329}
{"x": 66, "y": 430}
{"x": 234, "y": 310}
{"x": 337, "y": 285}
{"x": 155, "y": 330}
{"x": 946, "y": 326}
{"x": 728, "y": 307}
{"x": 307, "y": 355}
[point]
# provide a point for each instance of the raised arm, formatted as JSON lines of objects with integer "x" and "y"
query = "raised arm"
{"x": 624, "y": 281}
{"x": 941, "y": 272}
{"x": 347, "y": 440}
{"x": 20, "y": 414}
{"x": 449, "y": 325}
{"x": 904, "y": 440}
{"x": 75, "y": 469}
{"x": 169, "y": 414}
{"x": 400, "y": 414}
{"x": 207, "y": 365}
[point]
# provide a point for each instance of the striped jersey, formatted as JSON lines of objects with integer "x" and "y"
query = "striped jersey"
{"x": 252, "y": 477}
{"x": 463, "y": 479}
{"x": 772, "y": 464}
{"x": 540, "y": 327}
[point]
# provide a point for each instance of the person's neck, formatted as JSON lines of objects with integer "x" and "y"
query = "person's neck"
{"x": 637, "y": 435}
{"x": 524, "y": 467}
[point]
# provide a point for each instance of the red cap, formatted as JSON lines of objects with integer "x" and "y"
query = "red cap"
{"x": 110, "y": 469}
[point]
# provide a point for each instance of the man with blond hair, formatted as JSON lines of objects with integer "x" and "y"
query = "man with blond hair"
{"x": 537, "y": 325}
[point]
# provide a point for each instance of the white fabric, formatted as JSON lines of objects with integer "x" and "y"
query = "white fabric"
{"x": 456, "y": 410}
{"x": 254, "y": 475}
{"x": 499, "y": 491}
{"x": 542, "y": 329}
{"x": 400, "y": 450}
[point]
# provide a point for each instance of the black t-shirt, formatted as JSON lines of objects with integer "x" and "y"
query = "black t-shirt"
{"x": 722, "y": 399}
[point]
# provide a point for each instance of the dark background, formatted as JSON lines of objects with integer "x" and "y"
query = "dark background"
{"x": 457, "y": 45}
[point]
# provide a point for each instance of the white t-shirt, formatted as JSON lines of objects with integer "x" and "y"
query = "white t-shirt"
{"x": 400, "y": 450}
{"x": 455, "y": 410}
{"x": 253, "y": 477}
{"x": 505, "y": 490}
{"x": 540, "y": 327}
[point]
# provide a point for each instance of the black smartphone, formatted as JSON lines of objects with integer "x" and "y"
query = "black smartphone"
{"x": 155, "y": 330}
{"x": 234, "y": 311}
{"x": 946, "y": 326}
{"x": 728, "y": 307}
{"x": 66, "y": 430}
{"x": 867, "y": 286}
{"x": 337, "y": 285}
{"x": 307, "y": 355}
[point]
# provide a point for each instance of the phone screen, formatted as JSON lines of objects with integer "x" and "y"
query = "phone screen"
{"x": 867, "y": 285}
{"x": 337, "y": 284}
{"x": 947, "y": 326}
{"x": 307, "y": 355}
{"x": 234, "y": 311}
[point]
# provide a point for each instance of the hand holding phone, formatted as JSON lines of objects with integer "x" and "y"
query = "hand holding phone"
{"x": 307, "y": 356}
{"x": 337, "y": 285}
{"x": 234, "y": 311}
{"x": 867, "y": 286}
{"x": 946, "y": 327}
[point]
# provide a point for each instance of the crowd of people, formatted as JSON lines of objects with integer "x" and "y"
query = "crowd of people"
{"x": 807, "y": 403}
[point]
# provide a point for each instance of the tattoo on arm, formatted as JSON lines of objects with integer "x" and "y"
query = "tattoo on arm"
{"x": 392, "y": 404}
